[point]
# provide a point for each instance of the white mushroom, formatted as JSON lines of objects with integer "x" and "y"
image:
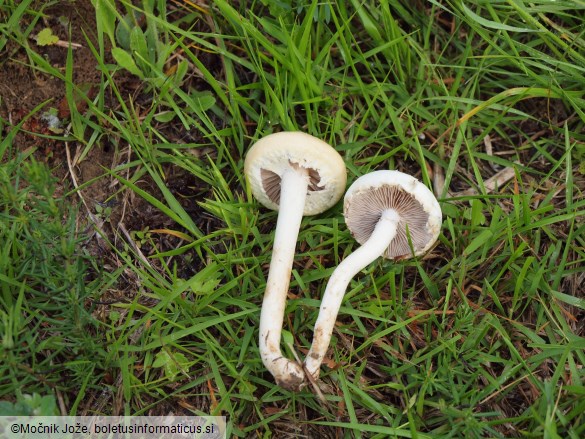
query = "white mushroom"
{"x": 296, "y": 174}
{"x": 383, "y": 210}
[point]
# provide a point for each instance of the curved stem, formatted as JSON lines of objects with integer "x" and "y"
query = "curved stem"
{"x": 293, "y": 192}
{"x": 383, "y": 234}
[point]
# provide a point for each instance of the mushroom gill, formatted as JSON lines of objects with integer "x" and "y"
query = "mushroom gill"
{"x": 271, "y": 182}
{"x": 365, "y": 210}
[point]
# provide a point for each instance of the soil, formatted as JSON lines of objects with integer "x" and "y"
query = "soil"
{"x": 24, "y": 90}
{"x": 27, "y": 96}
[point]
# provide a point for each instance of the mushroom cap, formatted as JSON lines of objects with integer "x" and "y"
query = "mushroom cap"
{"x": 418, "y": 208}
{"x": 271, "y": 156}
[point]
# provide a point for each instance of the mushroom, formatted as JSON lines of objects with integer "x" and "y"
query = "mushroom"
{"x": 296, "y": 174}
{"x": 386, "y": 212}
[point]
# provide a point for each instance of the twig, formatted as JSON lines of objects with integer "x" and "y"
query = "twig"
{"x": 94, "y": 219}
{"x": 133, "y": 245}
{"x": 59, "y": 43}
{"x": 494, "y": 182}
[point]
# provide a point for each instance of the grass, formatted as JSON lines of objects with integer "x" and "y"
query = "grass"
{"x": 483, "y": 337}
{"x": 48, "y": 334}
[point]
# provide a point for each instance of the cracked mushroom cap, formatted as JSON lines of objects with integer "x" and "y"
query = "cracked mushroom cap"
{"x": 269, "y": 157}
{"x": 418, "y": 208}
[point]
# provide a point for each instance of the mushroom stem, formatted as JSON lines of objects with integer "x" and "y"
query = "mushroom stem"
{"x": 293, "y": 192}
{"x": 374, "y": 247}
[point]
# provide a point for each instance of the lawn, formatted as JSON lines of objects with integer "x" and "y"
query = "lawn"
{"x": 134, "y": 257}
